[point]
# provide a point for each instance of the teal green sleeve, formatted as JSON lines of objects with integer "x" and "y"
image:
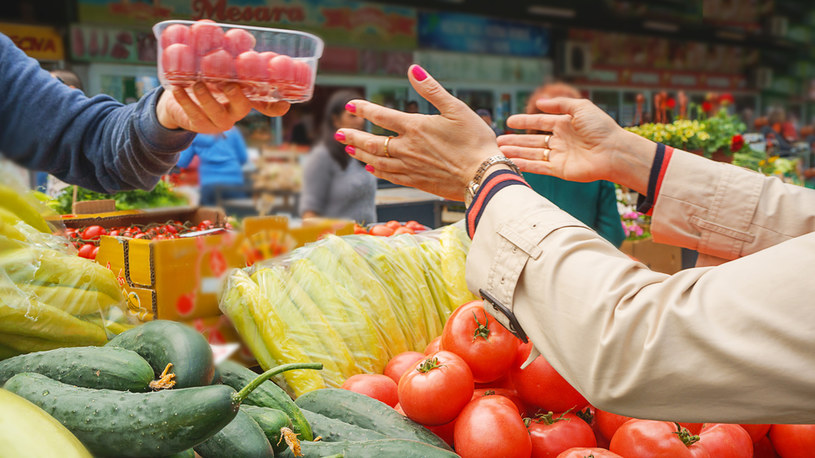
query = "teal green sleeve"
{"x": 609, "y": 224}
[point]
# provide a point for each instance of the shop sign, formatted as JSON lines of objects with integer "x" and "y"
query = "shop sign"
{"x": 449, "y": 66}
{"x": 104, "y": 44}
{"x": 39, "y": 42}
{"x": 481, "y": 34}
{"x": 641, "y": 78}
{"x": 335, "y": 21}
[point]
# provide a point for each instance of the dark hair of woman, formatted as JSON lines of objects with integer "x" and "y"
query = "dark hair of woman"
{"x": 333, "y": 111}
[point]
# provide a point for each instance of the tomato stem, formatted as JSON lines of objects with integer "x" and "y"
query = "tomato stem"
{"x": 482, "y": 330}
{"x": 685, "y": 435}
{"x": 428, "y": 365}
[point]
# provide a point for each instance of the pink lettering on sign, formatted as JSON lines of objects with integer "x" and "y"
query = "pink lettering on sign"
{"x": 220, "y": 11}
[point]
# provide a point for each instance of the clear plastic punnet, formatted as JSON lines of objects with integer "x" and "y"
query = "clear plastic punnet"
{"x": 269, "y": 64}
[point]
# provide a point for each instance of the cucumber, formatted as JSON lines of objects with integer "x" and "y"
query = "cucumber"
{"x": 161, "y": 342}
{"x": 365, "y": 412}
{"x": 117, "y": 423}
{"x": 271, "y": 421}
{"x": 267, "y": 395}
{"x": 333, "y": 430}
{"x": 27, "y": 430}
{"x": 122, "y": 424}
{"x": 242, "y": 437}
{"x": 90, "y": 367}
{"x": 189, "y": 453}
{"x": 372, "y": 449}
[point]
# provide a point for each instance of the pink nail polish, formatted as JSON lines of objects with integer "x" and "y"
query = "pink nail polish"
{"x": 419, "y": 73}
{"x": 369, "y": 168}
{"x": 350, "y": 107}
{"x": 339, "y": 136}
{"x": 350, "y": 150}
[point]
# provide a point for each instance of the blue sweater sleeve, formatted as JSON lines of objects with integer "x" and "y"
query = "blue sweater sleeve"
{"x": 96, "y": 143}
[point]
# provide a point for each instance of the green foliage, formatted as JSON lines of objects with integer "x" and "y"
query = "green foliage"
{"x": 160, "y": 196}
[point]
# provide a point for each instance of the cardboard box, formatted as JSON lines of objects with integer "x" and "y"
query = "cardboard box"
{"x": 658, "y": 257}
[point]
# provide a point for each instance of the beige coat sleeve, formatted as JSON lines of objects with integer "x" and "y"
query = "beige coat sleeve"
{"x": 732, "y": 343}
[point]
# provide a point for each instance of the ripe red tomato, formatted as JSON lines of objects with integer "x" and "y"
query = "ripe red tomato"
{"x": 381, "y": 230}
{"x": 401, "y": 363}
{"x": 505, "y": 392}
{"x": 237, "y": 41}
{"x": 756, "y": 432}
{"x": 793, "y": 441}
{"x": 583, "y": 452}
{"x": 93, "y": 232}
{"x": 302, "y": 73}
{"x": 482, "y": 341}
{"x": 281, "y": 68}
{"x": 650, "y": 438}
{"x": 403, "y": 230}
{"x": 553, "y": 433}
{"x": 764, "y": 449}
{"x": 376, "y": 386}
{"x": 445, "y": 431}
{"x": 176, "y": 33}
{"x": 436, "y": 389}
{"x": 491, "y": 427}
{"x": 393, "y": 224}
{"x": 540, "y": 386}
{"x": 415, "y": 225}
{"x": 178, "y": 60}
{"x": 726, "y": 440}
{"x": 93, "y": 252}
{"x": 218, "y": 64}
{"x": 207, "y": 36}
{"x": 250, "y": 66}
{"x": 86, "y": 251}
{"x": 359, "y": 229}
{"x": 433, "y": 346}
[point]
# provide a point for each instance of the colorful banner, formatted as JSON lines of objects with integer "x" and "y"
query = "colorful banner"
{"x": 105, "y": 44}
{"x": 481, "y": 34}
{"x": 614, "y": 76}
{"x": 39, "y": 42}
{"x": 335, "y": 21}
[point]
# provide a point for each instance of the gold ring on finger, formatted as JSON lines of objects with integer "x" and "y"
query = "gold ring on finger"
{"x": 385, "y": 147}
{"x": 546, "y": 139}
{"x": 546, "y": 152}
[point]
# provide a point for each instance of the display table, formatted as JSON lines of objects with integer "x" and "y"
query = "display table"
{"x": 405, "y": 204}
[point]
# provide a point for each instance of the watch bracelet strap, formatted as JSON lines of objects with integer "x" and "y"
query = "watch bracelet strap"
{"x": 479, "y": 174}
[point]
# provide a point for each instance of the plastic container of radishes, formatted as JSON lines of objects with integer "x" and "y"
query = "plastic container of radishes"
{"x": 269, "y": 64}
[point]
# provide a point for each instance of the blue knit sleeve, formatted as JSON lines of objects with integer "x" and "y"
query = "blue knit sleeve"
{"x": 96, "y": 143}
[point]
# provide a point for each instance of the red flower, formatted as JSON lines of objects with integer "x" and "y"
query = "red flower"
{"x": 707, "y": 106}
{"x": 726, "y": 98}
{"x": 670, "y": 103}
{"x": 736, "y": 143}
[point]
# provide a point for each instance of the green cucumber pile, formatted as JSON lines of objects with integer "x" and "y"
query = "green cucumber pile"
{"x": 104, "y": 398}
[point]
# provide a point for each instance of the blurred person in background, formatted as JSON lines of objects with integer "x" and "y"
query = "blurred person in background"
{"x": 221, "y": 158}
{"x": 594, "y": 203}
{"x": 485, "y": 114}
{"x": 335, "y": 185}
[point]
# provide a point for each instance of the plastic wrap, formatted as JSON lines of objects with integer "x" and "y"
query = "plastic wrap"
{"x": 50, "y": 297}
{"x": 350, "y": 303}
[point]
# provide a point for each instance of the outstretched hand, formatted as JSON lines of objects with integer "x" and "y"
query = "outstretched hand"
{"x": 585, "y": 143}
{"x": 435, "y": 153}
{"x": 204, "y": 114}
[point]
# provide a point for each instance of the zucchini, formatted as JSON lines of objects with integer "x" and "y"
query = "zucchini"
{"x": 402, "y": 448}
{"x": 161, "y": 342}
{"x": 27, "y": 430}
{"x": 333, "y": 430}
{"x": 126, "y": 424}
{"x": 242, "y": 437}
{"x": 90, "y": 367}
{"x": 365, "y": 412}
{"x": 271, "y": 421}
{"x": 267, "y": 395}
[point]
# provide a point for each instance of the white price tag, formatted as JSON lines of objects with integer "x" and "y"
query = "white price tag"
{"x": 220, "y": 353}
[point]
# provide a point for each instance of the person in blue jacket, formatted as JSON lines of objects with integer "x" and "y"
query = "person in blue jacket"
{"x": 99, "y": 143}
{"x": 221, "y": 159}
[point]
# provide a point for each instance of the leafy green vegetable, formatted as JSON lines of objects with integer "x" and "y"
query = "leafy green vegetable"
{"x": 160, "y": 196}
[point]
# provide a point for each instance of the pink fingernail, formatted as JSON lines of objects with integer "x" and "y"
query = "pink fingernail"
{"x": 350, "y": 150}
{"x": 350, "y": 107}
{"x": 419, "y": 73}
{"x": 339, "y": 136}
{"x": 369, "y": 168}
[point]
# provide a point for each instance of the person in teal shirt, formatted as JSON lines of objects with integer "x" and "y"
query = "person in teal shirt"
{"x": 594, "y": 203}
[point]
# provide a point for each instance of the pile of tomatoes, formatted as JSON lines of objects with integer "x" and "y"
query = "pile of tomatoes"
{"x": 86, "y": 239}
{"x": 392, "y": 227}
{"x": 468, "y": 388}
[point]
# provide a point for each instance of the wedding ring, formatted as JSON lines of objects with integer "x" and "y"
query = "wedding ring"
{"x": 546, "y": 139}
{"x": 385, "y": 148}
{"x": 546, "y": 152}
